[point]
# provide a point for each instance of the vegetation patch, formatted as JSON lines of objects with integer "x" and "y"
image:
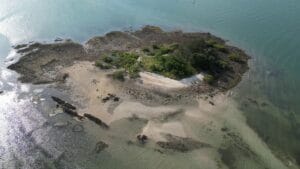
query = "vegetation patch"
{"x": 236, "y": 58}
{"x": 175, "y": 61}
{"x": 118, "y": 75}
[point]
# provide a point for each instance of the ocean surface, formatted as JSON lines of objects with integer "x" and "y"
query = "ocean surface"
{"x": 268, "y": 30}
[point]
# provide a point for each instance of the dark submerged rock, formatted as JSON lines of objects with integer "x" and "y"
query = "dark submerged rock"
{"x": 224, "y": 129}
{"x": 227, "y": 157}
{"x": 100, "y": 146}
{"x": 67, "y": 107}
{"x": 142, "y": 138}
{"x": 96, "y": 120}
{"x": 181, "y": 144}
{"x": 63, "y": 104}
{"x": 110, "y": 96}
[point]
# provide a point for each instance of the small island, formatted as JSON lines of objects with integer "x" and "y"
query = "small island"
{"x": 175, "y": 55}
{"x": 149, "y": 76}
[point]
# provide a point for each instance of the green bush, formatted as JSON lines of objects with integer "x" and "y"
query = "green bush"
{"x": 223, "y": 64}
{"x": 172, "y": 60}
{"x": 118, "y": 75}
{"x": 102, "y": 65}
{"x": 107, "y": 59}
{"x": 134, "y": 70}
{"x": 126, "y": 60}
{"x": 236, "y": 58}
{"x": 146, "y": 50}
{"x": 221, "y": 48}
{"x": 155, "y": 46}
{"x": 209, "y": 79}
{"x": 171, "y": 66}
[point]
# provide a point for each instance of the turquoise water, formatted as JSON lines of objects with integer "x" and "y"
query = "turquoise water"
{"x": 267, "y": 30}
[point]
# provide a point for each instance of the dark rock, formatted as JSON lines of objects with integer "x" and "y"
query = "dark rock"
{"x": 159, "y": 151}
{"x": 63, "y": 104}
{"x": 95, "y": 81}
{"x": 96, "y": 120}
{"x": 100, "y": 146}
{"x": 67, "y": 107}
{"x": 253, "y": 101}
{"x": 181, "y": 144}
{"x": 129, "y": 142}
{"x": 142, "y": 138}
{"x": 105, "y": 99}
{"x": 227, "y": 157}
{"x": 58, "y": 40}
{"x": 264, "y": 104}
{"x": 62, "y": 77}
{"x": 110, "y": 97}
{"x": 72, "y": 113}
{"x": 212, "y": 103}
{"x": 116, "y": 99}
{"x": 65, "y": 76}
{"x": 1, "y": 92}
{"x": 224, "y": 129}
{"x": 20, "y": 46}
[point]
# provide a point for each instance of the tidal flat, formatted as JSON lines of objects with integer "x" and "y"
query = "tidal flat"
{"x": 150, "y": 110}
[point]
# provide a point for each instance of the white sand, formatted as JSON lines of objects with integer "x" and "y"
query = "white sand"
{"x": 157, "y": 81}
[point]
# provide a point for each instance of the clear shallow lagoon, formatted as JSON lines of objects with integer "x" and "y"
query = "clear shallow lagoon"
{"x": 267, "y": 30}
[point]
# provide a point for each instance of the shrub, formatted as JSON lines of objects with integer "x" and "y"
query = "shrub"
{"x": 146, "y": 50}
{"x": 223, "y": 64}
{"x": 155, "y": 46}
{"x": 126, "y": 60}
{"x": 134, "y": 70}
{"x": 236, "y": 58}
{"x": 221, "y": 48}
{"x": 208, "y": 79}
{"x": 171, "y": 66}
{"x": 118, "y": 75}
{"x": 107, "y": 59}
{"x": 102, "y": 65}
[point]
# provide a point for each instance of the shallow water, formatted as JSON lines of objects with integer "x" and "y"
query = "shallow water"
{"x": 267, "y": 30}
